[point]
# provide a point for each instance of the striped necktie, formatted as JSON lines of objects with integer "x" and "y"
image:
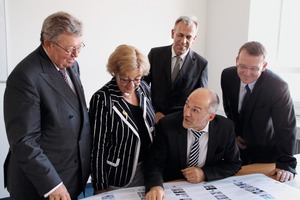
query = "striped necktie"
{"x": 194, "y": 155}
{"x": 63, "y": 72}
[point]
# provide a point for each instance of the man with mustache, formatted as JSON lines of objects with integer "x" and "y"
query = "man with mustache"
{"x": 176, "y": 70}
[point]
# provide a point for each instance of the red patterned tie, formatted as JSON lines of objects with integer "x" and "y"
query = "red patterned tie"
{"x": 62, "y": 71}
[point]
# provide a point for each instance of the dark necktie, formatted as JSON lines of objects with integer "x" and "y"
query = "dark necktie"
{"x": 245, "y": 99}
{"x": 194, "y": 154}
{"x": 62, "y": 71}
{"x": 244, "y": 104}
{"x": 176, "y": 68}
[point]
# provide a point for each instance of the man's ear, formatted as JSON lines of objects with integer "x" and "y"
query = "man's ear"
{"x": 195, "y": 37}
{"x": 46, "y": 43}
{"x": 237, "y": 60}
{"x": 265, "y": 64}
{"x": 211, "y": 116}
{"x": 172, "y": 33}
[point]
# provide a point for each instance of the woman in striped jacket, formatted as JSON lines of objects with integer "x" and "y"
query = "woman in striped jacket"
{"x": 122, "y": 122}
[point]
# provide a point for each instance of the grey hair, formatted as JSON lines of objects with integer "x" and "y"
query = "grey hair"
{"x": 214, "y": 103}
{"x": 188, "y": 20}
{"x": 59, "y": 23}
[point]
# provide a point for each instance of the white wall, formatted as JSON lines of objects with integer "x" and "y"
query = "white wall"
{"x": 3, "y": 67}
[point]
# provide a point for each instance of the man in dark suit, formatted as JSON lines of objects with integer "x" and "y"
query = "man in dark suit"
{"x": 46, "y": 118}
{"x": 191, "y": 72}
{"x": 173, "y": 154}
{"x": 265, "y": 125}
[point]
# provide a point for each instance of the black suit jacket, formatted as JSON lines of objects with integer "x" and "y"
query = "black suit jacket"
{"x": 270, "y": 124}
{"x": 169, "y": 153}
{"x": 193, "y": 74}
{"x": 47, "y": 128}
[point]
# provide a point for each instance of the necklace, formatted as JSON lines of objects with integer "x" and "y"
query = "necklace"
{"x": 127, "y": 94}
{"x": 130, "y": 98}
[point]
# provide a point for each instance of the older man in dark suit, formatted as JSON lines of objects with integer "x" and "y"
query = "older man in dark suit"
{"x": 46, "y": 117}
{"x": 259, "y": 103}
{"x": 176, "y": 70}
{"x": 196, "y": 145}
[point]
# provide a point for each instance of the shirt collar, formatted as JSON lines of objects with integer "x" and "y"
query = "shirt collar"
{"x": 205, "y": 129}
{"x": 181, "y": 56}
{"x": 50, "y": 59}
{"x": 251, "y": 85}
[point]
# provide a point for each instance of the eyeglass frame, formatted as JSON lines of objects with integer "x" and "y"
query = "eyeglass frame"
{"x": 69, "y": 52}
{"x": 244, "y": 67}
{"x": 127, "y": 81}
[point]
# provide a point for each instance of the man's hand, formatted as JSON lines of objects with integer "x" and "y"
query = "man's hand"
{"x": 158, "y": 116}
{"x": 61, "y": 193}
{"x": 282, "y": 175}
{"x": 193, "y": 174}
{"x": 156, "y": 193}
{"x": 240, "y": 142}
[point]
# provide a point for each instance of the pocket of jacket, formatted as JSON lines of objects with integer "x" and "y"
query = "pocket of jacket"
{"x": 114, "y": 164}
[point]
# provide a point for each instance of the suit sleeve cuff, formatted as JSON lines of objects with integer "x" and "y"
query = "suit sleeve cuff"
{"x": 48, "y": 193}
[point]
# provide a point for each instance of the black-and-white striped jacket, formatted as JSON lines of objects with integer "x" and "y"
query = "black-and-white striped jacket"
{"x": 116, "y": 141}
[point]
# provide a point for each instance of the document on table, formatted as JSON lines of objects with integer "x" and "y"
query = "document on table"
{"x": 253, "y": 186}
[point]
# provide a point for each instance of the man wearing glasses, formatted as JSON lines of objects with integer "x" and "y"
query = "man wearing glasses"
{"x": 46, "y": 117}
{"x": 259, "y": 103}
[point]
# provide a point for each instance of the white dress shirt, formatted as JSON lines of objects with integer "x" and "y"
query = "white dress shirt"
{"x": 203, "y": 141}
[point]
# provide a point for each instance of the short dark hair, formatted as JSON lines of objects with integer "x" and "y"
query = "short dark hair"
{"x": 254, "y": 48}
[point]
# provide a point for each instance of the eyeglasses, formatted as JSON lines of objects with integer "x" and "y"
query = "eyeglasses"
{"x": 252, "y": 69}
{"x": 72, "y": 49}
{"x": 127, "y": 81}
{"x": 194, "y": 110}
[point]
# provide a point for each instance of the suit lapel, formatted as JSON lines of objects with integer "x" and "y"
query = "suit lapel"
{"x": 121, "y": 108}
{"x": 124, "y": 113}
{"x": 166, "y": 59}
{"x": 182, "y": 143}
{"x": 187, "y": 64}
{"x": 235, "y": 94}
{"x": 186, "y": 67}
{"x": 143, "y": 104}
{"x": 212, "y": 143}
{"x": 77, "y": 84}
{"x": 254, "y": 95}
{"x": 54, "y": 79}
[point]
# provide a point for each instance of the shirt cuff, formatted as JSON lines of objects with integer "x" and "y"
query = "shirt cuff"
{"x": 48, "y": 193}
